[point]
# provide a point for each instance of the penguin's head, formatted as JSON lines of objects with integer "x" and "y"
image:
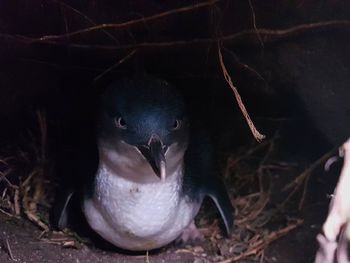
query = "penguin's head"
{"x": 142, "y": 129}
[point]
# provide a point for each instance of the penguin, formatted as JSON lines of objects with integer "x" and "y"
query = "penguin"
{"x": 154, "y": 169}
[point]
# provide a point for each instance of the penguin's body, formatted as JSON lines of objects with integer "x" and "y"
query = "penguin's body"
{"x": 154, "y": 169}
{"x": 138, "y": 216}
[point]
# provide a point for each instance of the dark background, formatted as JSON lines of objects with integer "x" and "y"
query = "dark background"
{"x": 296, "y": 75}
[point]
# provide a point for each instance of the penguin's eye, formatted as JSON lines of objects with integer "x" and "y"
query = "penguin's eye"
{"x": 120, "y": 123}
{"x": 176, "y": 124}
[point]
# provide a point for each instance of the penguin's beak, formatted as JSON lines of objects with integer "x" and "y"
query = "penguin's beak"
{"x": 154, "y": 152}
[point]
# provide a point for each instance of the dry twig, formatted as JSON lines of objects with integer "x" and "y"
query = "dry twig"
{"x": 252, "y": 215}
{"x": 5, "y": 245}
{"x": 8, "y": 247}
{"x": 3, "y": 177}
{"x": 245, "y": 66}
{"x": 121, "y": 61}
{"x": 17, "y": 205}
{"x": 232, "y": 162}
{"x": 32, "y": 188}
{"x": 69, "y": 7}
{"x": 254, "y": 209}
{"x": 254, "y": 22}
{"x": 303, "y": 179}
{"x": 6, "y": 213}
{"x": 262, "y": 243}
{"x": 126, "y": 24}
{"x": 245, "y": 37}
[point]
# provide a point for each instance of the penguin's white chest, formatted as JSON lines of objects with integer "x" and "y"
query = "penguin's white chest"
{"x": 138, "y": 216}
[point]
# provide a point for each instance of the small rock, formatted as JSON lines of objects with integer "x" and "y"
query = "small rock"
{"x": 203, "y": 222}
{"x": 201, "y": 260}
{"x": 237, "y": 249}
{"x": 224, "y": 249}
{"x": 218, "y": 236}
{"x": 198, "y": 249}
{"x": 219, "y": 258}
{"x": 197, "y": 260}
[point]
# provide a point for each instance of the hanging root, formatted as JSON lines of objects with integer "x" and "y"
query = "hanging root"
{"x": 257, "y": 135}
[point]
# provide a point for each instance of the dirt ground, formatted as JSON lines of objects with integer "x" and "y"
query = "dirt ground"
{"x": 20, "y": 242}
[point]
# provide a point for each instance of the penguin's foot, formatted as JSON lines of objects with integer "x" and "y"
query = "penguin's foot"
{"x": 190, "y": 234}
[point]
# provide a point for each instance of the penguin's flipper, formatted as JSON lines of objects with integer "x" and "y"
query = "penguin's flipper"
{"x": 59, "y": 215}
{"x": 201, "y": 176}
{"x": 218, "y": 193}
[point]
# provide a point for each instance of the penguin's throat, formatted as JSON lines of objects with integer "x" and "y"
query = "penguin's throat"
{"x": 135, "y": 168}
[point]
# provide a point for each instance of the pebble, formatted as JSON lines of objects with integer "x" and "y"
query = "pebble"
{"x": 198, "y": 249}
{"x": 218, "y": 236}
{"x": 197, "y": 260}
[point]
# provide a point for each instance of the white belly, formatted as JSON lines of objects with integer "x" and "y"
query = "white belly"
{"x": 137, "y": 216}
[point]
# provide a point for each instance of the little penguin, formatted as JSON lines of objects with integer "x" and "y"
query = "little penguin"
{"x": 154, "y": 168}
